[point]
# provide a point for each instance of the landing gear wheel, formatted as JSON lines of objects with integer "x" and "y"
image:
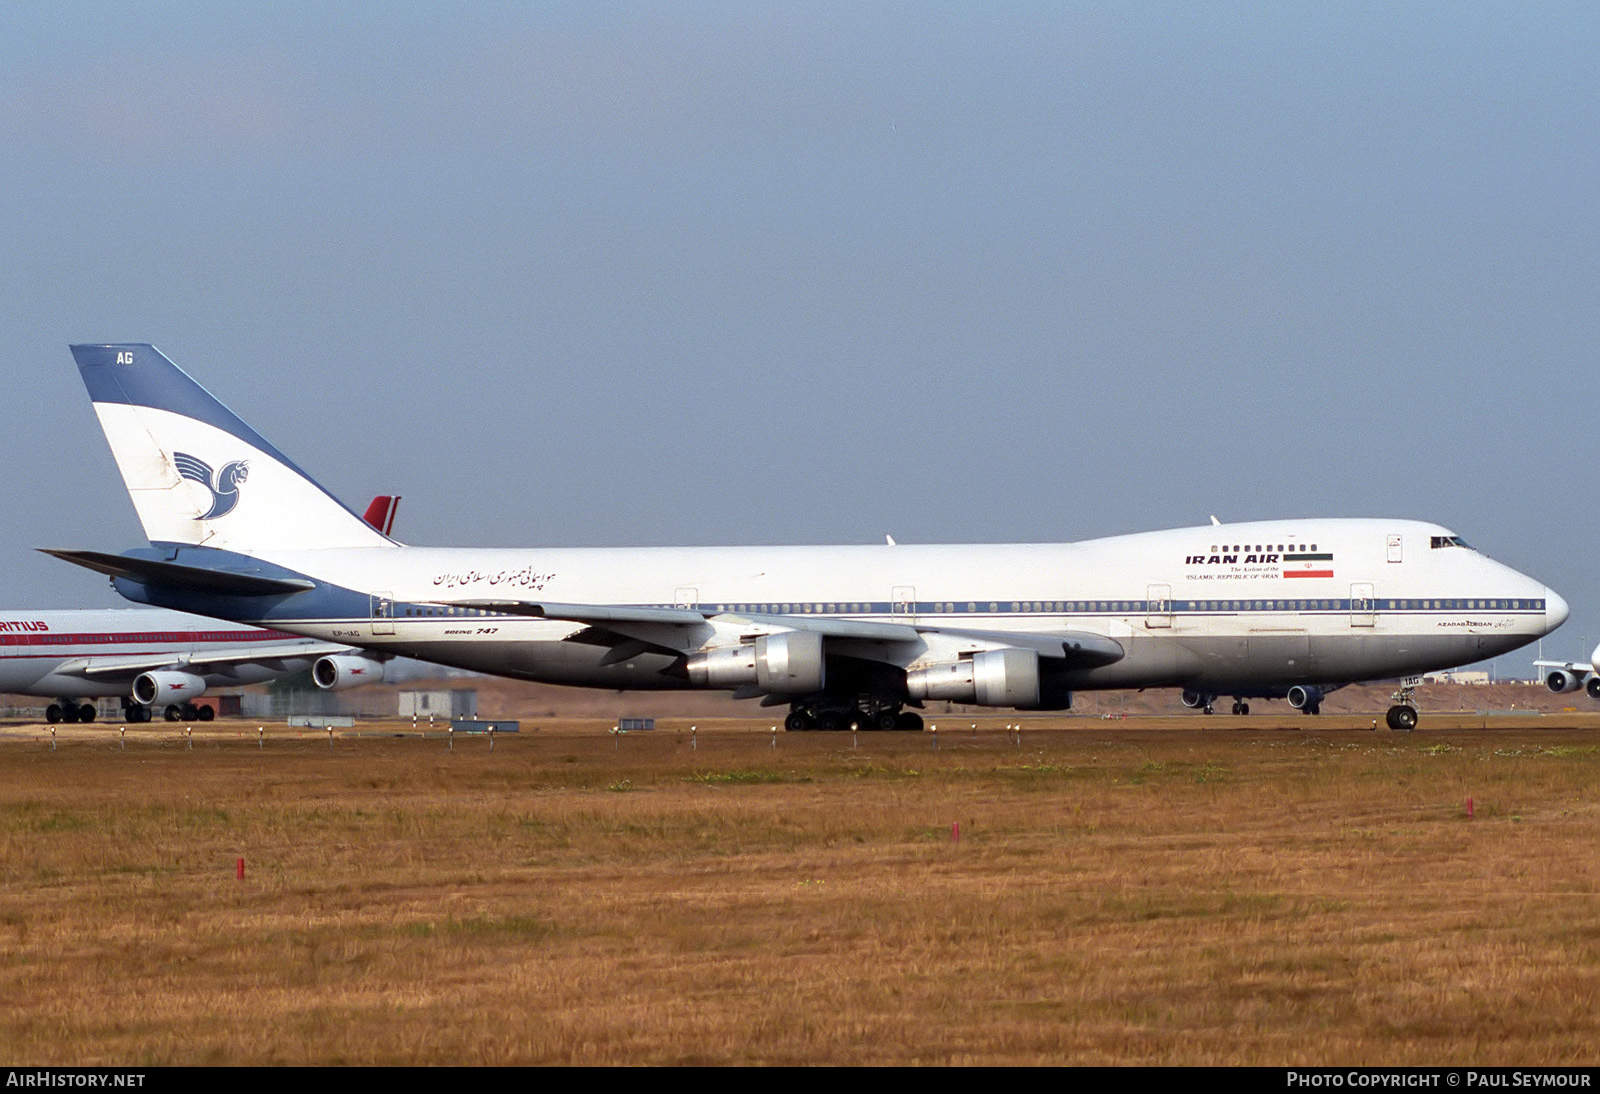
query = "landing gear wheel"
{"x": 797, "y": 721}
{"x": 191, "y": 713}
{"x": 1402, "y": 718}
{"x": 173, "y": 713}
{"x": 205, "y": 714}
{"x": 1208, "y": 709}
{"x": 52, "y": 713}
{"x": 909, "y": 720}
{"x": 830, "y": 720}
{"x": 1241, "y": 707}
{"x": 87, "y": 712}
{"x": 886, "y": 719}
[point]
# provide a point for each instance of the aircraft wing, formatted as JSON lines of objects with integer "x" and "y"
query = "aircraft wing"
{"x": 1570, "y": 666}
{"x": 134, "y": 664}
{"x": 683, "y": 630}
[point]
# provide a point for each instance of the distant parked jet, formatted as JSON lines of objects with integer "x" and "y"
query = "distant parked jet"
{"x": 161, "y": 661}
{"x": 1565, "y": 676}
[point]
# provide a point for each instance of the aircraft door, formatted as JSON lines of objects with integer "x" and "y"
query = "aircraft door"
{"x": 382, "y": 613}
{"x": 1394, "y": 547}
{"x": 686, "y": 598}
{"x": 903, "y": 604}
{"x": 1363, "y": 605}
{"x": 1158, "y": 611}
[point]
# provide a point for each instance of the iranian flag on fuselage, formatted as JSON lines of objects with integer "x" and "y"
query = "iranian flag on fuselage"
{"x": 1308, "y": 565}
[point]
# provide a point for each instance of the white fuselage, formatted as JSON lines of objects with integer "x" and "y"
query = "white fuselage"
{"x": 1280, "y": 602}
{"x": 89, "y": 653}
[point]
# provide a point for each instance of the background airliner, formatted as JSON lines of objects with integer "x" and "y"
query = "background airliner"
{"x": 155, "y": 660}
{"x": 162, "y": 660}
{"x": 848, "y": 635}
{"x": 1564, "y": 676}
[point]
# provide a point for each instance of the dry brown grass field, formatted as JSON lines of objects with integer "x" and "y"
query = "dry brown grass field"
{"x": 1246, "y": 891}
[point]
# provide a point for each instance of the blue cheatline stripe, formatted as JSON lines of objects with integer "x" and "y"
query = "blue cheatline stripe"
{"x": 1417, "y": 606}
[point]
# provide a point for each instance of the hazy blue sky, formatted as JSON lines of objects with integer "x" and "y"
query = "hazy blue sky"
{"x": 589, "y": 273}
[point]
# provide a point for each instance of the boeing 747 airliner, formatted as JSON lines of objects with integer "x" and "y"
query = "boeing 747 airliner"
{"x": 155, "y": 661}
{"x": 848, "y": 635}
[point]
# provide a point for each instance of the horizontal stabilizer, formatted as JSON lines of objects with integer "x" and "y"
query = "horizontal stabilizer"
{"x": 172, "y": 575}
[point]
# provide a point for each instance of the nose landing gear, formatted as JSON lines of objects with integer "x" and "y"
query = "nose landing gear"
{"x": 1403, "y": 715}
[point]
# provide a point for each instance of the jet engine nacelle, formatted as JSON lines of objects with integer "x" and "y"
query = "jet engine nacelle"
{"x": 164, "y": 687}
{"x": 1562, "y": 681}
{"x": 992, "y": 678}
{"x": 337, "y": 671}
{"x": 1301, "y": 697}
{"x": 1194, "y": 700}
{"x": 790, "y": 663}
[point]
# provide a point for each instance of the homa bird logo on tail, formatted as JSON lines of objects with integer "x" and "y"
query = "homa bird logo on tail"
{"x": 224, "y": 489}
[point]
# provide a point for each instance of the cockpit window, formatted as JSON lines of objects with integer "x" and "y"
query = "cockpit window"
{"x": 1450, "y": 541}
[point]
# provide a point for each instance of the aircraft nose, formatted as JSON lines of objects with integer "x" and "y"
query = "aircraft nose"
{"x": 1555, "y": 610}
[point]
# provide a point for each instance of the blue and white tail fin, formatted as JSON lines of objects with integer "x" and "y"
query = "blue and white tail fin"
{"x": 196, "y": 473}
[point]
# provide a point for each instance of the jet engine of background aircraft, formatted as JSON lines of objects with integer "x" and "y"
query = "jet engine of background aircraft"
{"x": 172, "y": 690}
{"x": 1307, "y": 699}
{"x": 1562, "y": 681}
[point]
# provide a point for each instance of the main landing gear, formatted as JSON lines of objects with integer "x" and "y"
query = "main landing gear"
{"x": 69, "y": 710}
{"x": 188, "y": 712}
{"x": 866, "y": 715}
{"x": 1205, "y": 702}
{"x": 139, "y": 713}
